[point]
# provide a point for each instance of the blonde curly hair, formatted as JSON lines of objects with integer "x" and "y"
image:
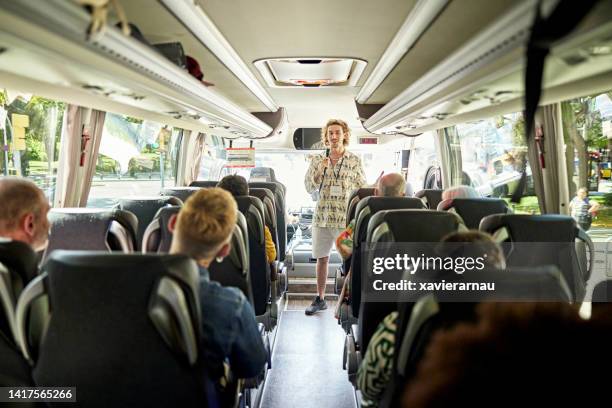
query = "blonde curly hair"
{"x": 345, "y": 130}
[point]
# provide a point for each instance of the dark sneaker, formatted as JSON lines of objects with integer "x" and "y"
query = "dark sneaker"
{"x": 316, "y": 305}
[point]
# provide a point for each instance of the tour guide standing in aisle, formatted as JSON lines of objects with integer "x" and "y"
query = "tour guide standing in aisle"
{"x": 331, "y": 176}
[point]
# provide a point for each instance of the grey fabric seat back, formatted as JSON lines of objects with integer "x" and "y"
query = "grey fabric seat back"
{"x": 267, "y": 198}
{"x": 204, "y": 183}
{"x": 157, "y": 237}
{"x": 602, "y": 292}
{"x": 281, "y": 223}
{"x": 264, "y": 174}
{"x": 353, "y": 200}
{"x": 18, "y": 266}
{"x": 145, "y": 208}
{"x": 366, "y": 209}
{"x": 473, "y": 210}
{"x": 113, "y": 313}
{"x": 253, "y": 211}
{"x": 430, "y": 197}
{"x": 558, "y": 232}
{"x": 232, "y": 271}
{"x": 182, "y": 193}
{"x": 417, "y": 322}
{"x": 92, "y": 229}
{"x": 400, "y": 226}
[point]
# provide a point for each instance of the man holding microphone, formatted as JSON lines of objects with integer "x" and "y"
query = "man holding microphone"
{"x": 333, "y": 176}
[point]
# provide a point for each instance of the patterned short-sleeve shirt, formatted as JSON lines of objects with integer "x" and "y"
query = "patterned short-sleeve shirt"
{"x": 347, "y": 174}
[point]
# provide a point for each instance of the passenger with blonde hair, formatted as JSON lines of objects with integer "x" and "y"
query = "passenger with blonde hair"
{"x": 203, "y": 230}
{"x": 330, "y": 177}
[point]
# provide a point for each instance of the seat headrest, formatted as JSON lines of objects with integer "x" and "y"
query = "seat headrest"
{"x": 412, "y": 225}
{"x": 473, "y": 210}
{"x": 533, "y": 228}
{"x": 145, "y": 208}
{"x": 182, "y": 193}
{"x": 264, "y": 174}
{"x": 376, "y": 203}
{"x": 261, "y": 193}
{"x": 530, "y": 284}
{"x": 204, "y": 183}
{"x": 362, "y": 192}
{"x": 602, "y": 292}
{"x": 19, "y": 258}
{"x": 157, "y": 237}
{"x": 275, "y": 187}
{"x": 87, "y": 228}
{"x": 432, "y": 197}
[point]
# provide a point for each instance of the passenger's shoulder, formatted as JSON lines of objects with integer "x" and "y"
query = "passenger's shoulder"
{"x": 224, "y": 294}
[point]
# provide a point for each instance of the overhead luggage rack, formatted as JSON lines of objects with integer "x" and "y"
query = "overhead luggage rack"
{"x": 46, "y": 41}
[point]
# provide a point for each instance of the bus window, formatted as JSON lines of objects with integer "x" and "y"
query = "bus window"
{"x": 423, "y": 157}
{"x": 136, "y": 158}
{"x": 30, "y": 131}
{"x": 213, "y": 157}
{"x": 587, "y": 130}
{"x": 492, "y": 155}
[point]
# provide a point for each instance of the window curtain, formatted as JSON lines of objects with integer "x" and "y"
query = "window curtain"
{"x": 555, "y": 174}
{"x": 191, "y": 157}
{"x": 82, "y": 130}
{"x": 533, "y": 157}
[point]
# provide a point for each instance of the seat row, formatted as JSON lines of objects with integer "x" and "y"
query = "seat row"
{"x": 550, "y": 271}
{"x": 25, "y": 329}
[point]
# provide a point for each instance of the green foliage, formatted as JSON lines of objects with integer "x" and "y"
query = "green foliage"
{"x": 518, "y": 132}
{"x": 133, "y": 120}
{"x": 608, "y": 199}
{"x": 107, "y": 165}
{"x": 35, "y": 150}
{"x": 145, "y": 163}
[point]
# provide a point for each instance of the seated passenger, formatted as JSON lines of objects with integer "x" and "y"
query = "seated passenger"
{"x": 203, "y": 230}
{"x": 238, "y": 186}
{"x": 377, "y": 365}
{"x": 24, "y": 212}
{"x": 515, "y": 354}
{"x": 457, "y": 192}
{"x": 390, "y": 185}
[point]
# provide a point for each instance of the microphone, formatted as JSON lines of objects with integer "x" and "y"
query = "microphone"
{"x": 325, "y": 170}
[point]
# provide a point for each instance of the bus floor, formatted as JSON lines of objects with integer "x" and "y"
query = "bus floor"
{"x": 307, "y": 362}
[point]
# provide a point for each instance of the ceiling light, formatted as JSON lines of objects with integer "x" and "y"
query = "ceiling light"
{"x": 417, "y": 22}
{"x": 310, "y": 72}
{"x": 196, "y": 21}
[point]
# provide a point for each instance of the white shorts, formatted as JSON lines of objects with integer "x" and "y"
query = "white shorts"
{"x": 323, "y": 239}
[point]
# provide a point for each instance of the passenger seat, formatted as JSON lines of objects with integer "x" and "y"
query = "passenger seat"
{"x": 232, "y": 271}
{"x": 18, "y": 265}
{"x": 204, "y": 183}
{"x": 430, "y": 197}
{"x": 125, "y": 329}
{"x": 92, "y": 229}
{"x": 145, "y": 208}
{"x": 182, "y": 193}
{"x": 561, "y": 243}
{"x": 418, "y": 322}
{"x": 473, "y": 210}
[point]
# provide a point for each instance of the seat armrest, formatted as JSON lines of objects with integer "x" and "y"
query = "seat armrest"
{"x": 354, "y": 333}
{"x": 352, "y": 359}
